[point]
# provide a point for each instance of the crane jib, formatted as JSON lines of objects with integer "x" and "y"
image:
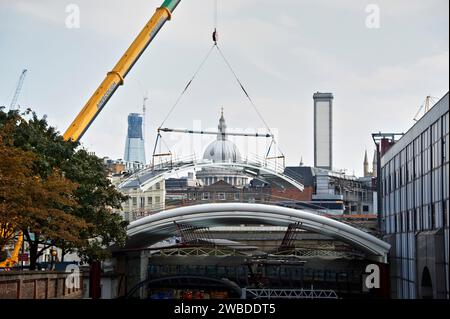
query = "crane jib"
{"x": 115, "y": 78}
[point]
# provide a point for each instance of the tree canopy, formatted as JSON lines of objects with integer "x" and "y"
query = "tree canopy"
{"x": 56, "y": 194}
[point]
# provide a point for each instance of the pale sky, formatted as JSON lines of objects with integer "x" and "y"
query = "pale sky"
{"x": 283, "y": 51}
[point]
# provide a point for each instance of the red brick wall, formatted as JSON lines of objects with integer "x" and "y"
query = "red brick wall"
{"x": 9, "y": 289}
{"x": 36, "y": 285}
{"x": 41, "y": 289}
{"x": 27, "y": 289}
{"x": 293, "y": 193}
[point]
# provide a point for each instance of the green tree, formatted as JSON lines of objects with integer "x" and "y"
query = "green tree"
{"x": 56, "y": 161}
{"x": 99, "y": 199}
{"x": 33, "y": 204}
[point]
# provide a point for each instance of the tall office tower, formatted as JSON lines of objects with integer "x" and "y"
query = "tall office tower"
{"x": 323, "y": 130}
{"x": 134, "y": 145}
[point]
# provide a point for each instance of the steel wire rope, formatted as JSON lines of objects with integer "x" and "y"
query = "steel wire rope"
{"x": 187, "y": 86}
{"x": 247, "y": 95}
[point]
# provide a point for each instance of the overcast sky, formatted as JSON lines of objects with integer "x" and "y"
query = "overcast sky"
{"x": 283, "y": 51}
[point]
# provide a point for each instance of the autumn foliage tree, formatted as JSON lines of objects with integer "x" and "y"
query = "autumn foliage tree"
{"x": 57, "y": 195}
{"x": 40, "y": 207}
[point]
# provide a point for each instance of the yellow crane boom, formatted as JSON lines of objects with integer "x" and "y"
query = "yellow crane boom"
{"x": 116, "y": 77}
{"x": 113, "y": 80}
{"x": 11, "y": 261}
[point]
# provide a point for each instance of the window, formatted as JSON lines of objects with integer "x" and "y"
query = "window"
{"x": 158, "y": 185}
{"x": 445, "y": 125}
{"x": 221, "y": 196}
{"x": 150, "y": 200}
{"x": 433, "y": 217}
{"x": 446, "y": 213}
{"x": 142, "y": 202}
{"x": 237, "y": 196}
{"x": 205, "y": 196}
{"x": 445, "y": 149}
{"x": 134, "y": 201}
{"x": 417, "y": 221}
{"x": 157, "y": 199}
{"x": 365, "y": 208}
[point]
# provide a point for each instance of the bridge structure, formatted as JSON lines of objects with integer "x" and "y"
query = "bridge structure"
{"x": 147, "y": 237}
{"x": 146, "y": 234}
{"x": 152, "y": 229}
{"x": 264, "y": 170}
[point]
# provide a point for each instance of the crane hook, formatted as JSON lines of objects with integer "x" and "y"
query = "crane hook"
{"x": 215, "y": 36}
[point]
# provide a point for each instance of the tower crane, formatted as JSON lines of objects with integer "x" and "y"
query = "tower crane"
{"x": 427, "y": 104}
{"x": 13, "y": 104}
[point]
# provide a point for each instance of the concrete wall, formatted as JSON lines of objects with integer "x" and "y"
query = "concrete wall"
{"x": 37, "y": 285}
{"x": 428, "y": 255}
{"x": 130, "y": 269}
{"x": 430, "y": 246}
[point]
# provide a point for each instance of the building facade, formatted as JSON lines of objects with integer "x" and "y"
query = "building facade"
{"x": 333, "y": 192}
{"x": 415, "y": 207}
{"x": 143, "y": 203}
{"x": 323, "y": 130}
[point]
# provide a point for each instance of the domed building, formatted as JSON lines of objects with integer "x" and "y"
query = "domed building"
{"x": 222, "y": 151}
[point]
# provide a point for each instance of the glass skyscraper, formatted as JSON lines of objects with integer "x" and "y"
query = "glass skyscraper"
{"x": 134, "y": 144}
{"x": 415, "y": 207}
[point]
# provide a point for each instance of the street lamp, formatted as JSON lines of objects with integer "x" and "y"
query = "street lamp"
{"x": 53, "y": 254}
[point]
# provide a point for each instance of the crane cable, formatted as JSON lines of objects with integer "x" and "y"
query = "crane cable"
{"x": 187, "y": 86}
{"x": 248, "y": 96}
{"x": 215, "y": 37}
{"x": 243, "y": 88}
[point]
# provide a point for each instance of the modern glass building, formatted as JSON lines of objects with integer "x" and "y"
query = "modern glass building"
{"x": 134, "y": 144}
{"x": 323, "y": 130}
{"x": 415, "y": 207}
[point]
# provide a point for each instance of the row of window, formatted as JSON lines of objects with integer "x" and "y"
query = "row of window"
{"x": 430, "y": 188}
{"x": 419, "y": 157}
{"x": 415, "y": 183}
{"x": 423, "y": 218}
{"x": 218, "y": 196}
{"x": 142, "y": 200}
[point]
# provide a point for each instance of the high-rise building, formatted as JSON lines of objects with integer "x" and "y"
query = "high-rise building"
{"x": 134, "y": 145}
{"x": 323, "y": 130}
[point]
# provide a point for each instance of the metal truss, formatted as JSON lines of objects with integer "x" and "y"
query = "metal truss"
{"x": 146, "y": 178}
{"x": 301, "y": 252}
{"x": 249, "y": 293}
{"x": 290, "y": 236}
{"x": 193, "y": 234}
{"x": 201, "y": 251}
{"x": 154, "y": 228}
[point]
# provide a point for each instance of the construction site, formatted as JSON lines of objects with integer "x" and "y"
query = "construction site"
{"x": 216, "y": 212}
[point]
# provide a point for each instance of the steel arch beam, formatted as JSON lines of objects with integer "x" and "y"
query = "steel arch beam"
{"x": 237, "y": 166}
{"x": 151, "y": 229}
